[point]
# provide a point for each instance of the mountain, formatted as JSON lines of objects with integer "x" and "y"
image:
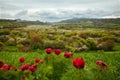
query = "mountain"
{"x": 8, "y": 23}
{"x": 90, "y": 20}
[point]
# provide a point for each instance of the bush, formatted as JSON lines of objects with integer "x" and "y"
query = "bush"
{"x": 69, "y": 48}
{"x": 4, "y": 32}
{"x": 83, "y": 48}
{"x": 83, "y": 35}
{"x": 11, "y": 42}
{"x": 106, "y": 45}
{"x": 23, "y": 48}
{"x": 15, "y": 33}
{"x": 36, "y": 45}
{"x": 19, "y": 46}
{"x": 3, "y": 38}
{"x": 91, "y": 43}
{"x": 112, "y": 37}
{"x": 55, "y": 44}
{"x": 1, "y": 46}
{"x": 24, "y": 42}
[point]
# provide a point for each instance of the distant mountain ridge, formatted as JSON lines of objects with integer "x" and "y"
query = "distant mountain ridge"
{"x": 90, "y": 20}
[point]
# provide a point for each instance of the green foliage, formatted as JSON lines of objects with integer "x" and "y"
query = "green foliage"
{"x": 91, "y": 43}
{"x": 3, "y": 38}
{"x": 56, "y": 67}
{"x": 54, "y": 44}
{"x": 36, "y": 42}
{"x": 24, "y": 42}
{"x": 4, "y": 31}
{"x": 11, "y": 42}
{"x": 106, "y": 45}
{"x": 1, "y": 46}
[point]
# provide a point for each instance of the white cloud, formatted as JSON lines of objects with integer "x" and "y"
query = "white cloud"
{"x": 56, "y": 10}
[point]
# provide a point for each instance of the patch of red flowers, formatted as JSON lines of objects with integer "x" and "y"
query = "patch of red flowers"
{"x": 49, "y": 50}
{"x": 32, "y": 68}
{"x": 1, "y": 64}
{"x": 79, "y": 63}
{"x": 101, "y": 64}
{"x": 22, "y": 59}
{"x": 24, "y": 67}
{"x": 57, "y": 51}
{"x": 6, "y": 67}
{"x": 68, "y": 54}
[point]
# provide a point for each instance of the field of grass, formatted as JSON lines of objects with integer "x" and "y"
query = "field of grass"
{"x": 60, "y": 68}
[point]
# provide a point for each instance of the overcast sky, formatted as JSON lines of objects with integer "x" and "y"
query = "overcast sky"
{"x": 57, "y": 10}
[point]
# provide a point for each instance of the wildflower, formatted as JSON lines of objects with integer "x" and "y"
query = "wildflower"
{"x": 1, "y": 64}
{"x": 57, "y": 51}
{"x": 101, "y": 64}
{"x": 68, "y": 54}
{"x": 49, "y": 50}
{"x": 22, "y": 59}
{"x": 24, "y": 67}
{"x": 79, "y": 63}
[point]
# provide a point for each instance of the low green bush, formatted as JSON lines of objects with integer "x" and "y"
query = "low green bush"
{"x": 11, "y": 42}
{"x": 106, "y": 45}
{"x": 1, "y": 46}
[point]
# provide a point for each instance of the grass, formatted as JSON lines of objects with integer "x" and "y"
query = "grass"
{"x": 112, "y": 59}
{"x": 117, "y": 47}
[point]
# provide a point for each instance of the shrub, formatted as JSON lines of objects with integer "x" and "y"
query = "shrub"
{"x": 59, "y": 44}
{"x": 3, "y": 38}
{"x": 112, "y": 37}
{"x": 83, "y": 48}
{"x": 11, "y": 42}
{"x": 19, "y": 46}
{"x": 91, "y": 43}
{"x": 69, "y": 48}
{"x": 4, "y": 32}
{"x": 106, "y": 45}
{"x": 36, "y": 42}
{"x": 15, "y": 33}
{"x": 24, "y": 42}
{"x": 1, "y": 46}
{"x": 54, "y": 44}
{"x": 48, "y": 44}
{"x": 83, "y": 35}
{"x": 23, "y": 48}
{"x": 36, "y": 45}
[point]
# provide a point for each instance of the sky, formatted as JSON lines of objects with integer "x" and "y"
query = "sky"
{"x": 57, "y": 10}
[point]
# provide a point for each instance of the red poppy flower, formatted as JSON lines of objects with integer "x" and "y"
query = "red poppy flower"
{"x": 79, "y": 63}
{"x": 32, "y": 68}
{"x": 35, "y": 66}
{"x": 1, "y": 64}
{"x": 23, "y": 76}
{"x": 6, "y": 67}
{"x": 49, "y": 50}
{"x": 101, "y": 64}
{"x": 22, "y": 59}
{"x": 68, "y": 54}
{"x": 37, "y": 60}
{"x": 24, "y": 67}
{"x": 57, "y": 51}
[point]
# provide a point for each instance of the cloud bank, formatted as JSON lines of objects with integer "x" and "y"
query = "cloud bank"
{"x": 57, "y": 10}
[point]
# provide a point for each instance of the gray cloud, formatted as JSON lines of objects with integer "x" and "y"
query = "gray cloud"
{"x": 56, "y": 10}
